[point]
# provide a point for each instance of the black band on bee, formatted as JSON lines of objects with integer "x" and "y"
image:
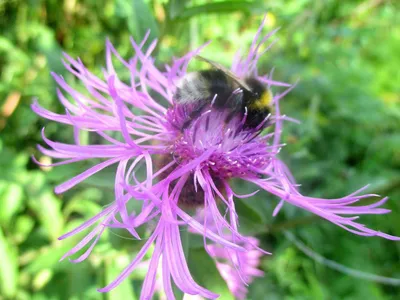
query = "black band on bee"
{"x": 219, "y": 85}
{"x": 256, "y": 86}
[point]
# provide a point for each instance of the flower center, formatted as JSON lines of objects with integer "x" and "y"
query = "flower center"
{"x": 239, "y": 151}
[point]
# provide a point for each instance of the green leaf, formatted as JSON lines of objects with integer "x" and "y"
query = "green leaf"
{"x": 113, "y": 267}
{"x": 247, "y": 211}
{"x": 186, "y": 240}
{"x": 81, "y": 284}
{"x": 141, "y": 21}
{"x": 206, "y": 274}
{"x": 250, "y": 219}
{"x": 196, "y": 241}
{"x": 177, "y": 292}
{"x": 23, "y": 226}
{"x": 48, "y": 257}
{"x": 45, "y": 42}
{"x": 8, "y": 268}
{"x": 48, "y": 209}
{"x": 45, "y": 204}
{"x": 41, "y": 279}
{"x": 23, "y": 295}
{"x": 11, "y": 201}
{"x": 175, "y": 7}
{"x": 250, "y": 7}
{"x": 84, "y": 203}
{"x": 105, "y": 179}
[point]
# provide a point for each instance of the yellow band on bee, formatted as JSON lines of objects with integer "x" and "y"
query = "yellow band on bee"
{"x": 264, "y": 101}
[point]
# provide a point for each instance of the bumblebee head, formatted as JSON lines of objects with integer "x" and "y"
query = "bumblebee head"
{"x": 260, "y": 97}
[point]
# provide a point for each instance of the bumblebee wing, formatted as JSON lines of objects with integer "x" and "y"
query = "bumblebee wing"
{"x": 227, "y": 72}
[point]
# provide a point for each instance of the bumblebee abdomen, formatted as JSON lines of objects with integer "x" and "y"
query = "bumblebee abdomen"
{"x": 202, "y": 86}
{"x": 258, "y": 103}
{"x": 220, "y": 85}
{"x": 197, "y": 90}
{"x": 256, "y": 116}
{"x": 191, "y": 89}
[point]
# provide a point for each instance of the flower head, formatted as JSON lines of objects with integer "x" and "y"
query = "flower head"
{"x": 185, "y": 166}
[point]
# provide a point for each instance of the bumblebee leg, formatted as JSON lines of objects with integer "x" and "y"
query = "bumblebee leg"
{"x": 193, "y": 115}
{"x": 234, "y": 102}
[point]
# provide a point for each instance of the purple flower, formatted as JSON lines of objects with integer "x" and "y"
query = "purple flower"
{"x": 237, "y": 268}
{"x": 248, "y": 260}
{"x": 184, "y": 168}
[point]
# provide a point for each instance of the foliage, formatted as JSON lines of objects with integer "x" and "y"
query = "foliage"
{"x": 346, "y": 57}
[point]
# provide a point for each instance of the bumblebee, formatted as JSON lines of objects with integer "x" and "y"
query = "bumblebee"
{"x": 225, "y": 91}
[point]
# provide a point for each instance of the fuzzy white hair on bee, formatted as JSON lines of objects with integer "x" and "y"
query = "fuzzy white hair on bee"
{"x": 191, "y": 88}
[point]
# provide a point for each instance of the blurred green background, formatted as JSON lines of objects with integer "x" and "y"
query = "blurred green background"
{"x": 346, "y": 55}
